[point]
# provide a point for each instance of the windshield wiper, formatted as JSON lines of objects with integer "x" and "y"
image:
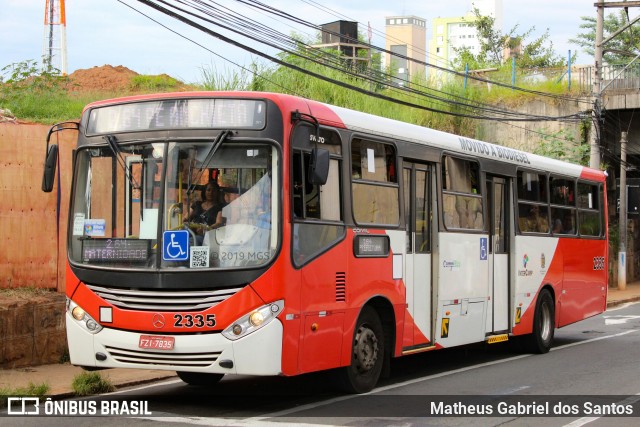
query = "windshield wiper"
{"x": 117, "y": 152}
{"x": 222, "y": 136}
{"x": 113, "y": 145}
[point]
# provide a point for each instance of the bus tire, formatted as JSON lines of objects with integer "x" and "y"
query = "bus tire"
{"x": 199, "y": 379}
{"x": 543, "y": 324}
{"x": 367, "y": 354}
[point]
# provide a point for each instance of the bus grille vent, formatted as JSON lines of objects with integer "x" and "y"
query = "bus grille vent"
{"x": 142, "y": 357}
{"x": 154, "y": 300}
{"x": 341, "y": 286}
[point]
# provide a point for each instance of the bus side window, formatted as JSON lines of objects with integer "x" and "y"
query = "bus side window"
{"x": 533, "y": 208}
{"x": 374, "y": 183}
{"x": 461, "y": 195}
{"x": 589, "y": 207}
{"x": 313, "y": 203}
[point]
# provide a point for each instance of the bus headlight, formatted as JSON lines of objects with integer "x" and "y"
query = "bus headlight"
{"x": 82, "y": 317}
{"x": 253, "y": 321}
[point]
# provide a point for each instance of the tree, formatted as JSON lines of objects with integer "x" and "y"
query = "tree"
{"x": 620, "y": 49}
{"x": 537, "y": 53}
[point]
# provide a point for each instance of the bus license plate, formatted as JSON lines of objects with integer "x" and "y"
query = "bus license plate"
{"x": 156, "y": 342}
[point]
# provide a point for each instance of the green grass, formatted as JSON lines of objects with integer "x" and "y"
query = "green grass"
{"x": 90, "y": 383}
{"x": 160, "y": 83}
{"x": 43, "y": 98}
{"x": 32, "y": 390}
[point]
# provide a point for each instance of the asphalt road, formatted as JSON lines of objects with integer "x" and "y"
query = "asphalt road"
{"x": 594, "y": 367}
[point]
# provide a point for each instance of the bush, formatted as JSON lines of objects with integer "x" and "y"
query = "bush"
{"x": 37, "y": 390}
{"x": 88, "y": 383}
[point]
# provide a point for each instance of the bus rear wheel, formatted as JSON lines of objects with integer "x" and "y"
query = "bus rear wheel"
{"x": 543, "y": 324}
{"x": 367, "y": 354}
{"x": 199, "y": 379}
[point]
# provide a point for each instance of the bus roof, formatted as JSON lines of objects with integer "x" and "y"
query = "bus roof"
{"x": 367, "y": 123}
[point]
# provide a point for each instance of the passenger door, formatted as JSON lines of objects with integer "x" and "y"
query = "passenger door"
{"x": 499, "y": 232}
{"x": 417, "y": 268}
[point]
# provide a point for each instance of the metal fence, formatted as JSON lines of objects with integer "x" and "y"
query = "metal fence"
{"x": 614, "y": 77}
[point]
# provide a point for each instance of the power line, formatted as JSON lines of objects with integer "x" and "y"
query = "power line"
{"x": 317, "y": 75}
{"x": 270, "y": 9}
{"x": 329, "y": 59}
{"x": 200, "y": 45}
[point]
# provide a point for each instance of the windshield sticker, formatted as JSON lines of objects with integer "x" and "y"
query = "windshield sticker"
{"x": 149, "y": 224}
{"x": 199, "y": 257}
{"x": 95, "y": 227}
{"x": 175, "y": 245}
{"x": 78, "y": 224}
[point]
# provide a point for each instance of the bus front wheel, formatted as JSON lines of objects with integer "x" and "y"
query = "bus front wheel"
{"x": 199, "y": 379}
{"x": 367, "y": 354}
{"x": 543, "y": 324}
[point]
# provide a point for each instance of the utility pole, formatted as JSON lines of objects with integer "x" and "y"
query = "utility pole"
{"x": 54, "y": 44}
{"x": 622, "y": 227}
{"x": 594, "y": 158}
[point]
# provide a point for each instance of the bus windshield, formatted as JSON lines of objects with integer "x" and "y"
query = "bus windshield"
{"x": 167, "y": 205}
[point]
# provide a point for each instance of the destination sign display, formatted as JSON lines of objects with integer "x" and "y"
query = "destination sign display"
{"x": 371, "y": 246}
{"x": 115, "y": 250}
{"x": 178, "y": 114}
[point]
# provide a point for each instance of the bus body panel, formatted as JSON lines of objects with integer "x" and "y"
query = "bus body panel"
{"x": 463, "y": 288}
{"x": 535, "y": 264}
{"x": 584, "y": 288}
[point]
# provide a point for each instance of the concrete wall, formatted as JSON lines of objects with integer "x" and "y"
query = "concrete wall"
{"x": 32, "y": 326}
{"x": 526, "y": 135}
{"x": 30, "y": 253}
{"x": 32, "y": 331}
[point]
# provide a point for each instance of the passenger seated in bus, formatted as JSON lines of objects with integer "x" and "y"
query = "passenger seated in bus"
{"x": 567, "y": 225}
{"x": 534, "y": 223}
{"x": 206, "y": 214}
{"x": 557, "y": 226}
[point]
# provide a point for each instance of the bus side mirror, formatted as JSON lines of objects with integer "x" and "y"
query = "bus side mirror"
{"x": 48, "y": 177}
{"x": 319, "y": 166}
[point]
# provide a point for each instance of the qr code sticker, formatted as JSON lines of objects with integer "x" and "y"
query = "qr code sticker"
{"x": 199, "y": 256}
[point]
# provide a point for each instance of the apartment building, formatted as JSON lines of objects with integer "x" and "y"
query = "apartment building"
{"x": 406, "y": 37}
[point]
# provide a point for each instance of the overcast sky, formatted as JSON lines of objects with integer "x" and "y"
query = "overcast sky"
{"x": 103, "y": 32}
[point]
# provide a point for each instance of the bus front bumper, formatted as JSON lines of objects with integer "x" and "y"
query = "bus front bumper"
{"x": 259, "y": 353}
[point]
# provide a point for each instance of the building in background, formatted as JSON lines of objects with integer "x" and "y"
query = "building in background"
{"x": 343, "y": 36}
{"x": 454, "y": 33}
{"x": 406, "y": 37}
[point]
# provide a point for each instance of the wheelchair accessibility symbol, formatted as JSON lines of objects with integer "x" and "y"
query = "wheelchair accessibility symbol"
{"x": 175, "y": 245}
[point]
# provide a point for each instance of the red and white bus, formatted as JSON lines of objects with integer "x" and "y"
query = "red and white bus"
{"x": 343, "y": 240}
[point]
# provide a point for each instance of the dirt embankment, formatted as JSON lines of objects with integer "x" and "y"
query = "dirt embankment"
{"x": 106, "y": 78}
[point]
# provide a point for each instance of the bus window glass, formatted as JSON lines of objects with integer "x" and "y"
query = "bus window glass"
{"x": 372, "y": 161}
{"x": 406, "y": 179}
{"x": 375, "y": 204}
{"x": 589, "y": 223}
{"x": 461, "y": 194}
{"x": 315, "y": 201}
{"x": 128, "y": 200}
{"x": 589, "y": 216}
{"x": 421, "y": 225}
{"x": 532, "y": 186}
{"x": 533, "y": 208}
{"x": 588, "y": 196}
{"x": 374, "y": 183}
{"x": 562, "y": 197}
{"x": 563, "y": 221}
{"x": 562, "y": 191}
{"x": 533, "y": 218}
{"x": 313, "y": 207}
